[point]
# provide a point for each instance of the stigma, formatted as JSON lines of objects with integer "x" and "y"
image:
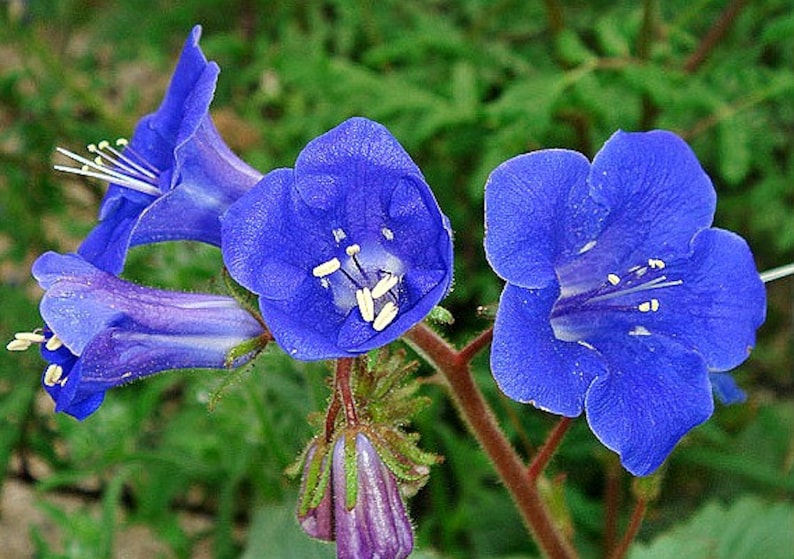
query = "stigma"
{"x": 118, "y": 164}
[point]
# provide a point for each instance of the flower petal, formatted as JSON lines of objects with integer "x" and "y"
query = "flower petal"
{"x": 526, "y": 200}
{"x": 715, "y": 311}
{"x": 726, "y": 390}
{"x": 529, "y": 363}
{"x": 655, "y": 392}
{"x": 657, "y": 196}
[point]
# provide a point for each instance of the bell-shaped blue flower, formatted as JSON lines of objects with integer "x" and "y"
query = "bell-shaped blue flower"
{"x": 102, "y": 331}
{"x": 346, "y": 251}
{"x": 174, "y": 177}
{"x": 360, "y": 507}
{"x": 621, "y": 299}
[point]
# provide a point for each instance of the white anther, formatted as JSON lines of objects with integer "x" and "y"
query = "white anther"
{"x": 387, "y": 233}
{"x": 656, "y": 264}
{"x": 53, "y": 344}
{"x": 385, "y": 317}
{"x": 326, "y": 268}
{"x": 18, "y": 345}
{"x": 649, "y": 306}
{"x": 640, "y": 331}
{"x": 352, "y": 250}
{"x": 53, "y": 374}
{"x": 385, "y": 284}
{"x": 32, "y": 337}
{"x": 122, "y": 142}
{"x": 588, "y": 246}
{"x": 365, "y": 304}
{"x": 339, "y": 235}
{"x": 614, "y": 279}
{"x": 104, "y": 144}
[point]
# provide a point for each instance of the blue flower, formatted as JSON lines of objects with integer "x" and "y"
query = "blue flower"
{"x": 360, "y": 507}
{"x": 346, "y": 251}
{"x": 621, "y": 298}
{"x": 103, "y": 331}
{"x": 173, "y": 179}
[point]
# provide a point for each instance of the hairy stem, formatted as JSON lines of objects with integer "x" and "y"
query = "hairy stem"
{"x": 342, "y": 387}
{"x": 541, "y": 459}
{"x": 481, "y": 421}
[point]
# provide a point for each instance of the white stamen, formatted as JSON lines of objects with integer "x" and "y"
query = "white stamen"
{"x": 640, "y": 331}
{"x": 614, "y": 279}
{"x": 656, "y": 283}
{"x": 326, "y": 268}
{"x": 656, "y": 264}
{"x": 53, "y": 344}
{"x": 387, "y": 233}
{"x": 18, "y": 345}
{"x": 585, "y": 344}
{"x": 385, "y": 284}
{"x": 385, "y": 317}
{"x": 588, "y": 246}
{"x": 365, "y": 304}
{"x": 32, "y": 337}
{"x": 339, "y": 235}
{"x": 649, "y": 306}
{"x": 53, "y": 374}
{"x": 352, "y": 250}
{"x": 105, "y": 173}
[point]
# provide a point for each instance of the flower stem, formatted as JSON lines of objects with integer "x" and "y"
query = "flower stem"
{"x": 342, "y": 387}
{"x": 481, "y": 421}
{"x": 717, "y": 32}
{"x": 777, "y": 273}
{"x": 541, "y": 459}
{"x": 476, "y": 345}
{"x": 637, "y": 516}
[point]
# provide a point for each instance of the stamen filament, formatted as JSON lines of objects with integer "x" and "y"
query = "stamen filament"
{"x": 657, "y": 283}
{"x": 105, "y": 173}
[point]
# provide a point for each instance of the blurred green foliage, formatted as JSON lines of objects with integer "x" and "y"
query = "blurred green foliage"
{"x": 464, "y": 86}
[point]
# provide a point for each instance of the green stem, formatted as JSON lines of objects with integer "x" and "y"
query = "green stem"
{"x": 481, "y": 421}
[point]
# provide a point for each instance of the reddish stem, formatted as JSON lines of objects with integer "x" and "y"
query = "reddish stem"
{"x": 478, "y": 415}
{"x": 476, "y": 345}
{"x": 611, "y": 506}
{"x": 717, "y": 32}
{"x": 541, "y": 459}
{"x": 342, "y": 388}
{"x": 637, "y": 516}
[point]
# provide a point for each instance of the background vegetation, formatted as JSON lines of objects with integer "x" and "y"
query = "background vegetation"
{"x": 463, "y": 85}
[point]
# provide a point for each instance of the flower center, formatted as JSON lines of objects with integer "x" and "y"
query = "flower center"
{"x": 574, "y": 317}
{"x": 368, "y": 279}
{"x": 126, "y": 168}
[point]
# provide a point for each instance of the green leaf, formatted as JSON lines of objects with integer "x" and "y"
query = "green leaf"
{"x": 747, "y": 529}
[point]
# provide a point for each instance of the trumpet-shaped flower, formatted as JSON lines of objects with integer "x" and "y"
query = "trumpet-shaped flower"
{"x": 346, "y": 251}
{"x": 103, "y": 331}
{"x": 174, "y": 177}
{"x": 360, "y": 507}
{"x": 621, "y": 299}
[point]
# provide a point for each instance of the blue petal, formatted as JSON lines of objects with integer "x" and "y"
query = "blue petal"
{"x": 715, "y": 311}
{"x": 529, "y": 363}
{"x": 657, "y": 196}
{"x": 654, "y": 393}
{"x": 526, "y": 202}
{"x": 726, "y": 389}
